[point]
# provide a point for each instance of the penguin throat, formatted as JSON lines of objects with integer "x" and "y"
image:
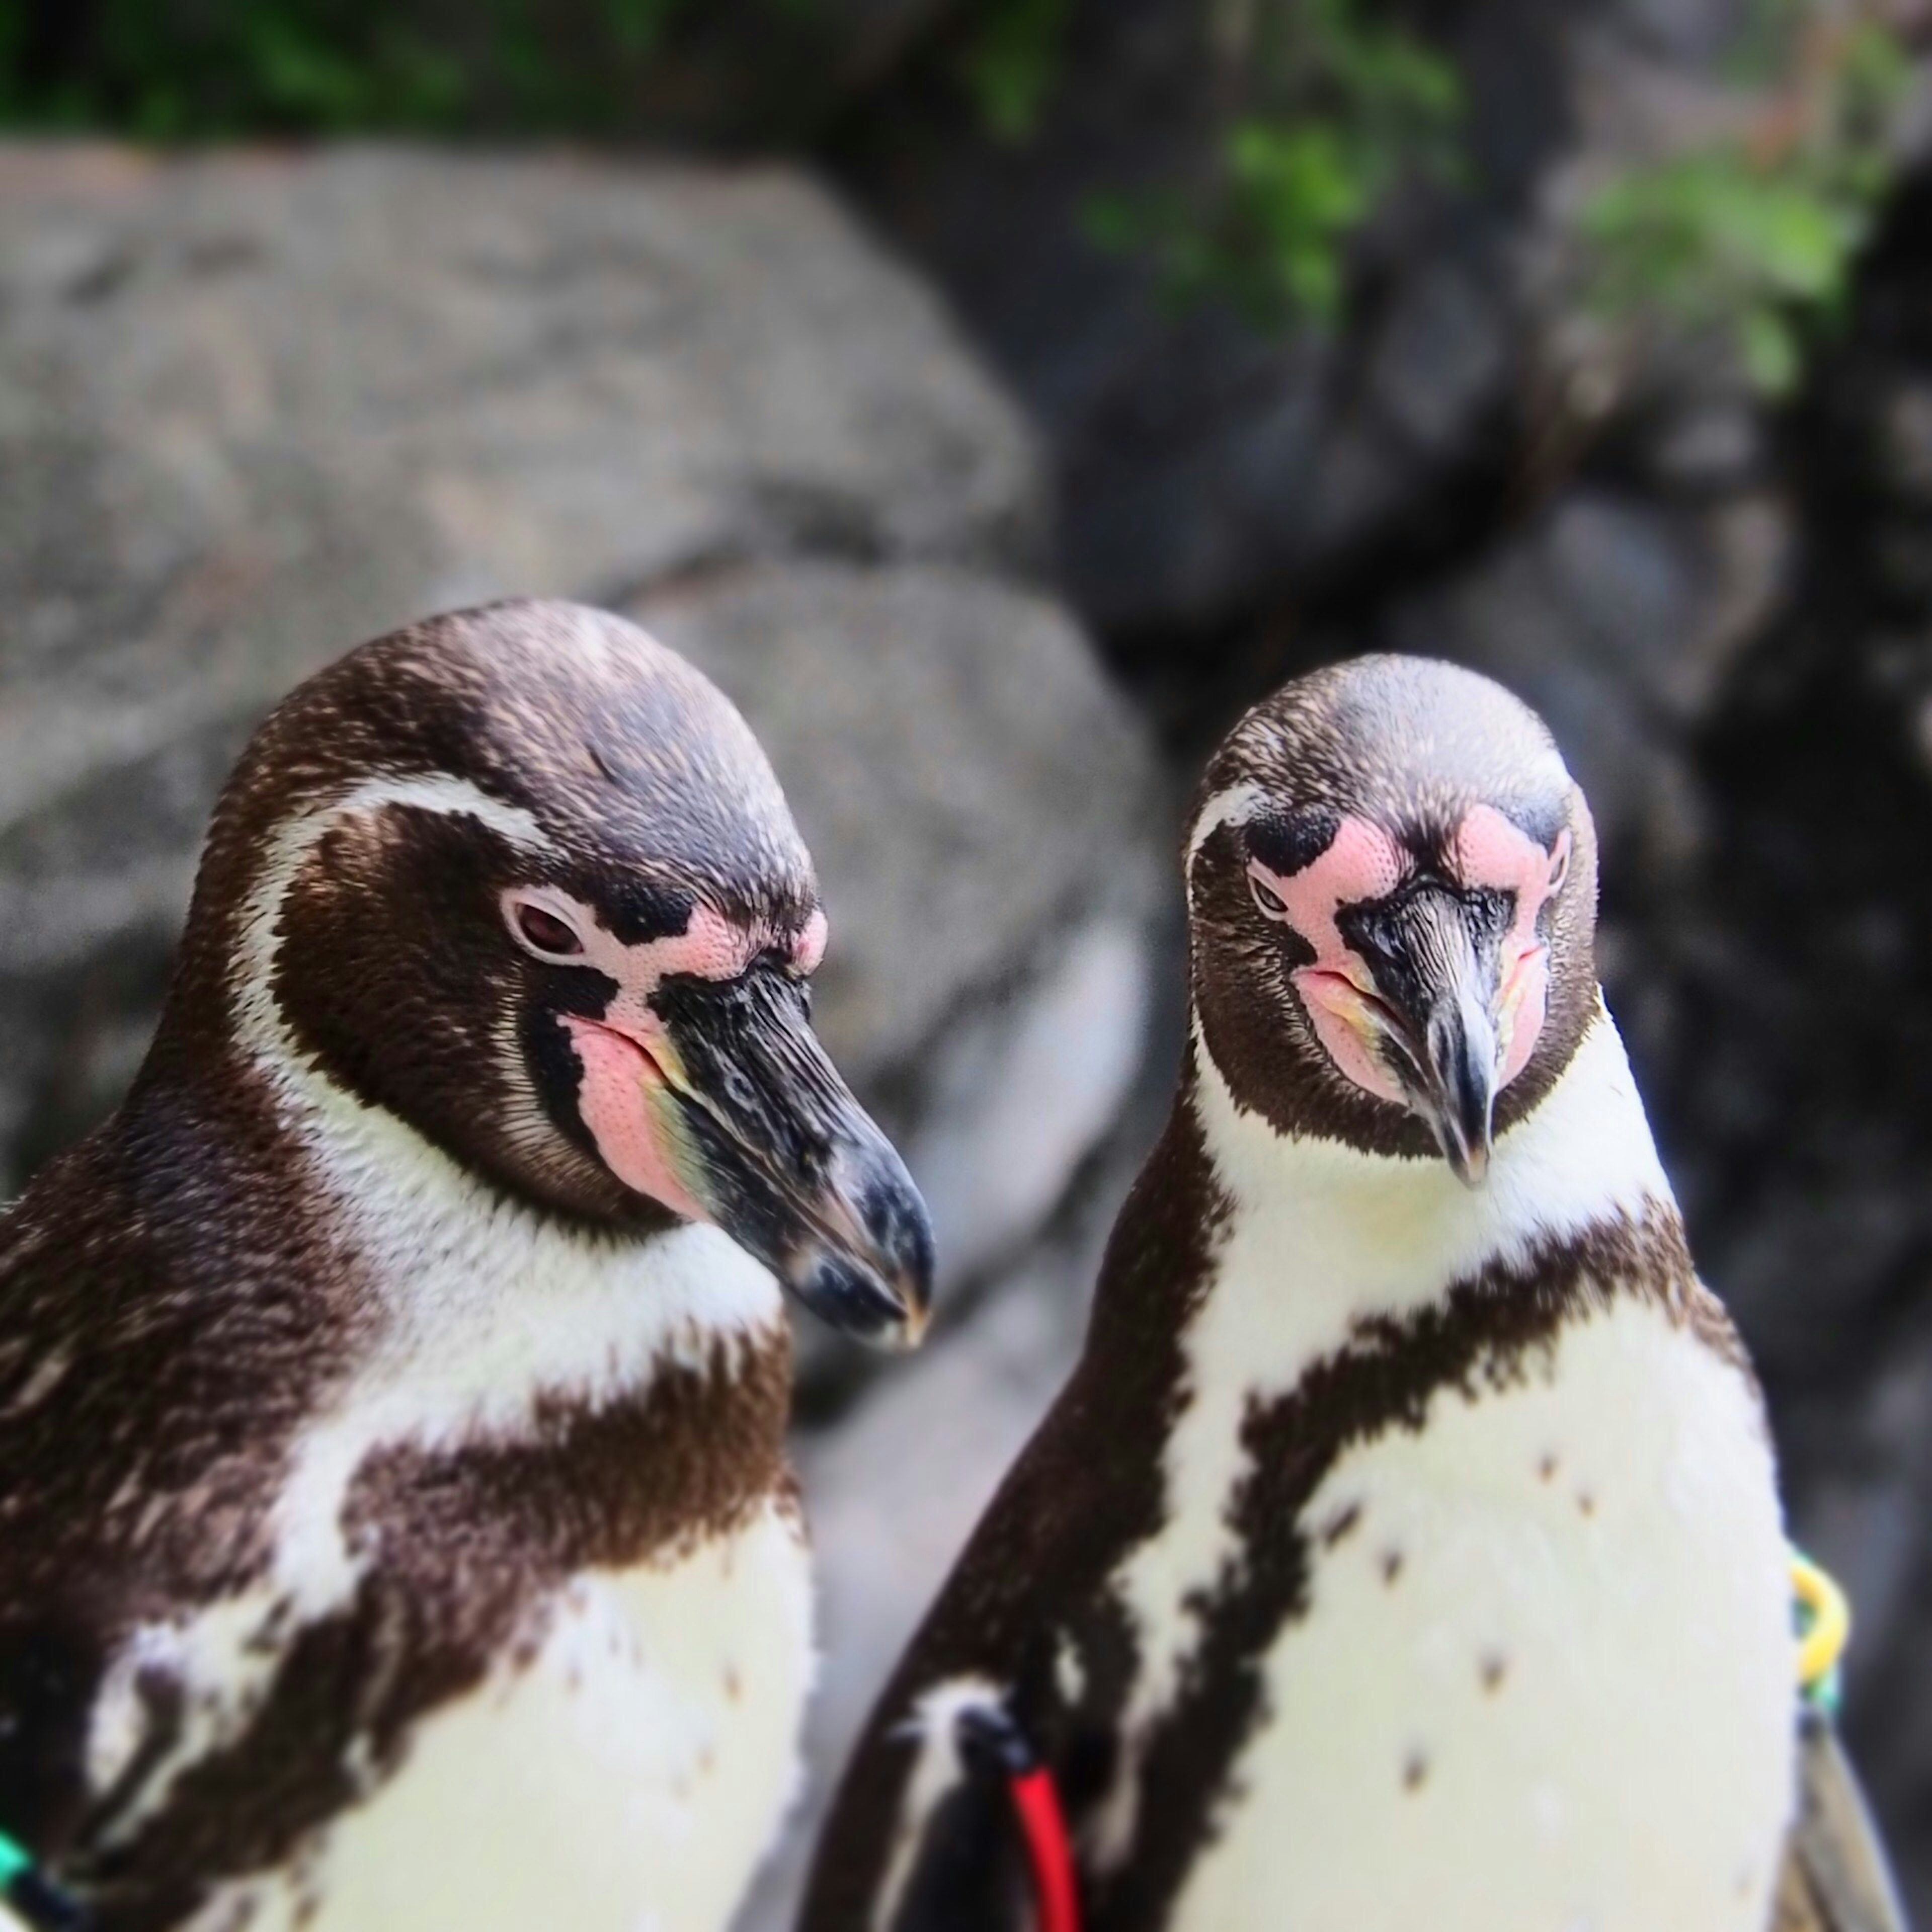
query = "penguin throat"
{"x": 1361, "y": 1234}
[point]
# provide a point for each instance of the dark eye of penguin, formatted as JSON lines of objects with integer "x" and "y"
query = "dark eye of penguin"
{"x": 543, "y": 932}
{"x": 1267, "y": 900}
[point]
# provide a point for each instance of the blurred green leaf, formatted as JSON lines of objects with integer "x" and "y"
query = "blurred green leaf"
{"x": 1773, "y": 356}
{"x": 1341, "y": 112}
{"x": 1754, "y": 243}
{"x": 1011, "y": 62}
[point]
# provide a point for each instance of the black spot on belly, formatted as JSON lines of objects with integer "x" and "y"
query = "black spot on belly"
{"x": 1340, "y": 1525}
{"x": 1415, "y": 1771}
{"x": 1392, "y": 1562}
{"x": 1495, "y": 1667}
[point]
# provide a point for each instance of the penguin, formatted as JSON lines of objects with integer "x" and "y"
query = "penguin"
{"x": 1405, "y": 1549}
{"x": 396, "y": 1533}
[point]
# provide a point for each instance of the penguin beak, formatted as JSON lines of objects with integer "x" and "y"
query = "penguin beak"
{"x": 1459, "y": 1058}
{"x": 784, "y": 1160}
{"x": 1437, "y": 1017}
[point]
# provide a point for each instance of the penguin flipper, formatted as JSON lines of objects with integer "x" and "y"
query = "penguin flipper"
{"x": 955, "y": 1860}
{"x": 1836, "y": 1877}
{"x": 967, "y": 1874}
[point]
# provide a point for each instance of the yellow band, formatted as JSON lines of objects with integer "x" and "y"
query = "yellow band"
{"x": 1822, "y": 1645}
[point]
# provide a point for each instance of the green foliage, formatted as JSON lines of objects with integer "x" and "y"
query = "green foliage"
{"x": 1011, "y": 61}
{"x": 1751, "y": 241}
{"x": 1339, "y": 112}
{"x": 217, "y": 68}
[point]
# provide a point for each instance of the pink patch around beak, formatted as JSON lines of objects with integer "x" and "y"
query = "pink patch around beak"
{"x": 807, "y": 947}
{"x": 1523, "y": 1008}
{"x": 1363, "y": 864}
{"x": 1489, "y": 850}
{"x": 620, "y": 1100}
{"x": 1335, "y": 1006}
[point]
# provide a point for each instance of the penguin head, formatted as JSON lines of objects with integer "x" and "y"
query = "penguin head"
{"x": 522, "y": 878}
{"x": 1392, "y": 896}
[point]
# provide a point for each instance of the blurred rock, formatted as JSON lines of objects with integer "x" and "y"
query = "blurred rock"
{"x": 256, "y": 408}
{"x": 1906, "y": 442}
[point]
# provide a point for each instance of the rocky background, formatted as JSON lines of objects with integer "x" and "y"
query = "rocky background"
{"x": 851, "y": 387}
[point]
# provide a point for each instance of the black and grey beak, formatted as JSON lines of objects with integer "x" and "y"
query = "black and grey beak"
{"x": 1437, "y": 958}
{"x": 787, "y": 1162}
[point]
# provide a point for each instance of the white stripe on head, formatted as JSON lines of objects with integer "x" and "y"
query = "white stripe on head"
{"x": 1234, "y": 805}
{"x": 258, "y": 1024}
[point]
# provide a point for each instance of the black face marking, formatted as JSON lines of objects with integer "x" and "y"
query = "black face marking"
{"x": 557, "y": 1072}
{"x": 1288, "y": 842}
{"x": 416, "y": 1026}
{"x": 637, "y": 910}
{"x": 1544, "y": 819}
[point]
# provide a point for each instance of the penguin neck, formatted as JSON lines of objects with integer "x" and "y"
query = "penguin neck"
{"x": 1314, "y": 1238}
{"x": 444, "y": 1303}
{"x": 524, "y": 1307}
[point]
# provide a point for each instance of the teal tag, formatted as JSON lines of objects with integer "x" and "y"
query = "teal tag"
{"x": 14, "y": 1861}
{"x": 1826, "y": 1695}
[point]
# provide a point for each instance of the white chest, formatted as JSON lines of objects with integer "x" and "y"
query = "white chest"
{"x": 627, "y": 1777}
{"x": 1544, "y": 1683}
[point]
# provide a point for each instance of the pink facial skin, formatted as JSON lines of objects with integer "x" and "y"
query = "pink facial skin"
{"x": 1489, "y": 850}
{"x": 629, "y": 1064}
{"x": 622, "y": 1091}
{"x": 1363, "y": 863}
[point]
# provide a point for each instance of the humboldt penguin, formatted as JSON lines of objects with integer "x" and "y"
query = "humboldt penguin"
{"x": 396, "y": 1534}
{"x": 1405, "y": 1549}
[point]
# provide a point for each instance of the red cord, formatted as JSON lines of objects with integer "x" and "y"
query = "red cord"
{"x": 1043, "y": 1825}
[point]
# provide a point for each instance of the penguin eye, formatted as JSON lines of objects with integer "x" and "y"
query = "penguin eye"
{"x": 1270, "y": 902}
{"x": 544, "y": 932}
